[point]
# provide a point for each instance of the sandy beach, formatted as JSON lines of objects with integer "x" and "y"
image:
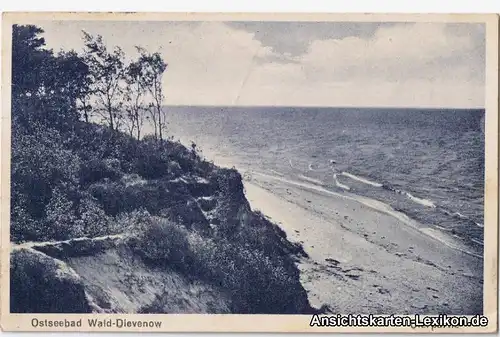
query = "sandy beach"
{"x": 367, "y": 259}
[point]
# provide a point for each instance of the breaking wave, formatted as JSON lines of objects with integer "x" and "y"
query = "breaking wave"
{"x": 339, "y": 184}
{"x": 361, "y": 179}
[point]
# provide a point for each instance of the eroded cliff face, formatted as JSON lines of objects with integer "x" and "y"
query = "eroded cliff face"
{"x": 119, "y": 274}
{"x": 102, "y": 275}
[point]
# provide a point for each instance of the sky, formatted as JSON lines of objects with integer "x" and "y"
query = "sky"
{"x": 302, "y": 63}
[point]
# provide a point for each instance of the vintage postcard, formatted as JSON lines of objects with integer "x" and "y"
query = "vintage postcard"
{"x": 249, "y": 172}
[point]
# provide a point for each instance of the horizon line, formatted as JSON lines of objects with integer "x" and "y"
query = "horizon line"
{"x": 323, "y": 106}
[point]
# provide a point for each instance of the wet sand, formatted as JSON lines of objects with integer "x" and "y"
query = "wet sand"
{"x": 365, "y": 259}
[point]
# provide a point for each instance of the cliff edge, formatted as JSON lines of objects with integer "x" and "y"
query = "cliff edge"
{"x": 178, "y": 239}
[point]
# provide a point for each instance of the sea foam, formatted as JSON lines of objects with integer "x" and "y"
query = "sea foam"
{"x": 339, "y": 184}
{"x": 361, "y": 179}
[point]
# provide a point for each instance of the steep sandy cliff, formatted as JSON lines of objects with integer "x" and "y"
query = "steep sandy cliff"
{"x": 216, "y": 256}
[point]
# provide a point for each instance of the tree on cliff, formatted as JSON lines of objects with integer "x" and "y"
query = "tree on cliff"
{"x": 135, "y": 98}
{"x": 154, "y": 66}
{"x": 75, "y": 74}
{"x": 28, "y": 57}
{"x": 46, "y": 88}
{"x": 108, "y": 73}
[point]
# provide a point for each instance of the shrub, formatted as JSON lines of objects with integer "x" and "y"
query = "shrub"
{"x": 150, "y": 196}
{"x": 134, "y": 222}
{"x": 162, "y": 242}
{"x": 92, "y": 141}
{"x": 111, "y": 195}
{"x": 99, "y": 169}
{"x": 188, "y": 213}
{"x": 151, "y": 166}
{"x": 39, "y": 163}
{"x": 23, "y": 227}
{"x": 204, "y": 168}
{"x": 154, "y": 196}
{"x": 93, "y": 219}
{"x": 41, "y": 284}
{"x": 259, "y": 283}
{"x": 154, "y": 160}
{"x": 61, "y": 221}
{"x": 260, "y": 233}
{"x": 174, "y": 169}
{"x": 184, "y": 157}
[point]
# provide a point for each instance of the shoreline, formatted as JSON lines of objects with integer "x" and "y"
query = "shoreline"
{"x": 362, "y": 260}
{"x": 460, "y": 238}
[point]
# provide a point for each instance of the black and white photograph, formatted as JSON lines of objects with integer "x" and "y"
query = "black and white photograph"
{"x": 242, "y": 166}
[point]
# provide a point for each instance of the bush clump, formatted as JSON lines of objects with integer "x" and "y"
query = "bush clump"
{"x": 94, "y": 220}
{"x": 258, "y": 282}
{"x": 97, "y": 170}
{"x": 41, "y": 284}
{"x": 161, "y": 242}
